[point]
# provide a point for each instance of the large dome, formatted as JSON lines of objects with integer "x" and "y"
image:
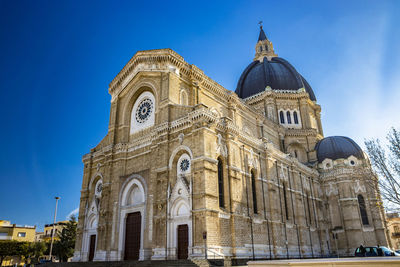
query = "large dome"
{"x": 276, "y": 73}
{"x": 337, "y": 147}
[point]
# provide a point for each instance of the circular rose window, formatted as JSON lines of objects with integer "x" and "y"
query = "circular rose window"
{"x": 144, "y": 110}
{"x": 184, "y": 165}
{"x": 99, "y": 188}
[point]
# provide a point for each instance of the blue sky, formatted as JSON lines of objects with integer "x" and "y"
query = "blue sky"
{"x": 57, "y": 59}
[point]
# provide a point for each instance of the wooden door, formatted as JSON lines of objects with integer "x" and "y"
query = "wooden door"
{"x": 183, "y": 241}
{"x": 92, "y": 246}
{"x": 132, "y": 236}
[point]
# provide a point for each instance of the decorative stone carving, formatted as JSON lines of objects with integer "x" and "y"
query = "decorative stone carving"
{"x": 359, "y": 188}
{"x": 252, "y": 160}
{"x": 246, "y": 130}
{"x": 180, "y": 190}
{"x": 270, "y": 111}
{"x": 215, "y": 112}
{"x": 221, "y": 147}
{"x": 332, "y": 190}
{"x": 180, "y": 138}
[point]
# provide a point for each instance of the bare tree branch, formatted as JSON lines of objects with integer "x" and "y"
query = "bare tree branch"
{"x": 387, "y": 167}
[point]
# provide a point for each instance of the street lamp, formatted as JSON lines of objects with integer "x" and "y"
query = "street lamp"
{"x": 54, "y": 226}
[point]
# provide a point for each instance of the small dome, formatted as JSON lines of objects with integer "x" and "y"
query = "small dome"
{"x": 276, "y": 73}
{"x": 337, "y": 147}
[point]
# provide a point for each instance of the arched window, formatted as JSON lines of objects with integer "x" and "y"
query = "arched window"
{"x": 282, "y": 117}
{"x": 289, "y": 119}
{"x": 363, "y": 210}
{"x": 253, "y": 189}
{"x": 221, "y": 184}
{"x": 285, "y": 201}
{"x": 396, "y": 229}
{"x": 295, "y": 118}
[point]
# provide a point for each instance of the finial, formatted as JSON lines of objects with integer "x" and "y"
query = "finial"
{"x": 260, "y": 23}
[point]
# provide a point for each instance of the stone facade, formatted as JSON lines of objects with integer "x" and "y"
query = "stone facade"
{"x": 183, "y": 150}
{"x": 393, "y": 227}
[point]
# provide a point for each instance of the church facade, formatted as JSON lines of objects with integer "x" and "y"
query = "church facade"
{"x": 189, "y": 169}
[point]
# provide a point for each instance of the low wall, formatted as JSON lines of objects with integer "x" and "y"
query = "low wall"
{"x": 354, "y": 262}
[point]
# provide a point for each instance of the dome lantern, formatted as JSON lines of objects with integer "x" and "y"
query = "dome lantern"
{"x": 264, "y": 47}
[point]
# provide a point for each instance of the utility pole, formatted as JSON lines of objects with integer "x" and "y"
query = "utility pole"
{"x": 54, "y": 226}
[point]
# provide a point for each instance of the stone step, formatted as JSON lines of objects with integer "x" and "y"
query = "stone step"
{"x": 161, "y": 263}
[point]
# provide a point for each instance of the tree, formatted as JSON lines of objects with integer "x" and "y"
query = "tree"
{"x": 8, "y": 248}
{"x": 64, "y": 248}
{"x": 25, "y": 250}
{"x": 386, "y": 162}
{"x": 36, "y": 249}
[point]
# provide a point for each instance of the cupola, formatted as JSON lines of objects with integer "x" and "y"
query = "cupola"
{"x": 337, "y": 147}
{"x": 270, "y": 71}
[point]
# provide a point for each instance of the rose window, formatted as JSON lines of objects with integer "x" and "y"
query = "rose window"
{"x": 184, "y": 165}
{"x": 99, "y": 188}
{"x": 144, "y": 110}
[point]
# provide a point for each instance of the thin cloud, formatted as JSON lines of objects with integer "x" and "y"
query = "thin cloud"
{"x": 360, "y": 97}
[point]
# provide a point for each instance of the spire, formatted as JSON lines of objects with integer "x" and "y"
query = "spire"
{"x": 262, "y": 35}
{"x": 264, "y": 47}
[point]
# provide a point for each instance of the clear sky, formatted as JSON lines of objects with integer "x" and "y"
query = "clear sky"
{"x": 57, "y": 59}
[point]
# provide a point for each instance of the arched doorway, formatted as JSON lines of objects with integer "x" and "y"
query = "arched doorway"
{"x": 180, "y": 233}
{"x": 132, "y": 220}
{"x": 90, "y": 236}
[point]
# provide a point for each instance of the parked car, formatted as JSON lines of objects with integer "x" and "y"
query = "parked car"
{"x": 375, "y": 252}
{"x": 43, "y": 261}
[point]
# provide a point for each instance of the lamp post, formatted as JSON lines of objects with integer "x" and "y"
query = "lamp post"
{"x": 54, "y": 226}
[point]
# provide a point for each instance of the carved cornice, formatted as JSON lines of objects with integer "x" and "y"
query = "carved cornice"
{"x": 156, "y": 55}
{"x": 165, "y": 60}
{"x": 341, "y": 171}
{"x": 277, "y": 93}
{"x": 203, "y": 114}
{"x": 301, "y": 132}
